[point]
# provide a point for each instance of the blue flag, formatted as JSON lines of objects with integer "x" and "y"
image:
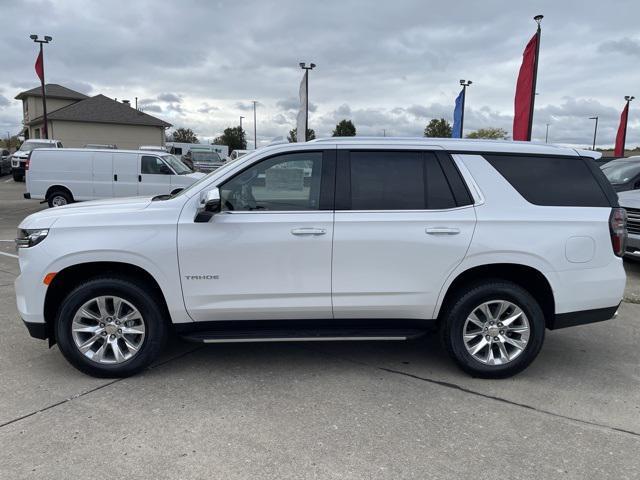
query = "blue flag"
{"x": 456, "y": 131}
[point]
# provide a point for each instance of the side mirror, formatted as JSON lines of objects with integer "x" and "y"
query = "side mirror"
{"x": 164, "y": 170}
{"x": 209, "y": 206}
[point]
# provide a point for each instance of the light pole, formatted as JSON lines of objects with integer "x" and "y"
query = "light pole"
{"x": 40, "y": 63}
{"x": 306, "y": 89}
{"x": 465, "y": 84}
{"x": 546, "y": 135}
{"x": 255, "y": 128}
{"x": 241, "y": 117}
{"x": 595, "y": 131}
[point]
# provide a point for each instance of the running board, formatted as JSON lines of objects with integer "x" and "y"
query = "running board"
{"x": 316, "y": 335}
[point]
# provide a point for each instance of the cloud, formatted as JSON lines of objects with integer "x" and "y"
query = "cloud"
{"x": 395, "y": 68}
{"x": 625, "y": 46}
{"x": 4, "y": 101}
{"x": 169, "y": 98}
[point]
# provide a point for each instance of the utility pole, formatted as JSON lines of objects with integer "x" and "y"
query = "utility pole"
{"x": 40, "y": 63}
{"x": 595, "y": 131}
{"x": 306, "y": 86}
{"x": 546, "y": 135}
{"x": 255, "y": 128}
{"x": 241, "y": 117}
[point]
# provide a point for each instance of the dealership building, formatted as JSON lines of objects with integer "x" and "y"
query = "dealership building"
{"x": 77, "y": 119}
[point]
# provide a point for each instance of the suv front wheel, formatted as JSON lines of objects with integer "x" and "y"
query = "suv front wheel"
{"x": 494, "y": 329}
{"x": 110, "y": 327}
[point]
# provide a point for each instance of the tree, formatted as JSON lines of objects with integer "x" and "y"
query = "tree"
{"x": 490, "y": 133}
{"x": 438, "y": 128}
{"x": 184, "y": 135}
{"x": 233, "y": 137}
{"x": 293, "y": 135}
{"x": 345, "y": 128}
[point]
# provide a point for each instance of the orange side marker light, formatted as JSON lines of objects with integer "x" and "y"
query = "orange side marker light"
{"x": 48, "y": 278}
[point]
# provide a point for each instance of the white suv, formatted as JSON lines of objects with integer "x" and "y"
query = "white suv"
{"x": 20, "y": 158}
{"x": 354, "y": 239}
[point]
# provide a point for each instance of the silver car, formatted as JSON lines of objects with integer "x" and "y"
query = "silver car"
{"x": 630, "y": 201}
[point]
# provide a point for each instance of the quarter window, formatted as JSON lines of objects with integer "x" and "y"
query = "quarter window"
{"x": 285, "y": 182}
{"x": 388, "y": 180}
{"x": 552, "y": 181}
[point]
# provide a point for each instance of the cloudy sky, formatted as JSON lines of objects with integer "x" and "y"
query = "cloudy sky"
{"x": 387, "y": 65}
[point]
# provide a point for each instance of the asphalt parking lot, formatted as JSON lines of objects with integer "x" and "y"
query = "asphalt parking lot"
{"x": 335, "y": 410}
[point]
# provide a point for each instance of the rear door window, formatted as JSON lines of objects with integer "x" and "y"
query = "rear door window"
{"x": 551, "y": 181}
{"x": 395, "y": 180}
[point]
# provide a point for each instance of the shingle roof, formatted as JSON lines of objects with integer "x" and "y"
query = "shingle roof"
{"x": 101, "y": 109}
{"x": 53, "y": 90}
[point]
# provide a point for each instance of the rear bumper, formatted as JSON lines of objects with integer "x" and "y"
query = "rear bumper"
{"x": 583, "y": 317}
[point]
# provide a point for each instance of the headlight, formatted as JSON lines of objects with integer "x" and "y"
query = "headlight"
{"x": 29, "y": 237}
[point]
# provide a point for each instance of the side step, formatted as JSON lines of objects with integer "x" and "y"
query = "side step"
{"x": 302, "y": 335}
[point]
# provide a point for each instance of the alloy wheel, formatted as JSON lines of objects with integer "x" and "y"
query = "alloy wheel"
{"x": 108, "y": 330}
{"x": 496, "y": 332}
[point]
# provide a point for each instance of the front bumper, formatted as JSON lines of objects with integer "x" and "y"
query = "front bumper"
{"x": 37, "y": 330}
{"x": 633, "y": 246}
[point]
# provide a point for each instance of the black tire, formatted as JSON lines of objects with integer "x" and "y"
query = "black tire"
{"x": 463, "y": 304}
{"x": 58, "y": 198}
{"x": 17, "y": 177}
{"x": 149, "y": 306}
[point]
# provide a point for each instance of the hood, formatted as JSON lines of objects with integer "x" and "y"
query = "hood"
{"x": 195, "y": 175}
{"x": 20, "y": 154}
{"x": 629, "y": 199}
{"x": 46, "y": 218}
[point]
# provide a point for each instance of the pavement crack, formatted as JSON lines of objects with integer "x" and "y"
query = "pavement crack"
{"x": 506, "y": 401}
{"x": 99, "y": 387}
{"x": 460, "y": 388}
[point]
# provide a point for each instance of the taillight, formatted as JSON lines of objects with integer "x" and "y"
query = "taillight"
{"x": 618, "y": 230}
{"x": 26, "y": 165}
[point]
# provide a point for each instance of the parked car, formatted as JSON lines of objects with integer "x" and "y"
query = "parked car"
{"x": 19, "y": 158}
{"x": 624, "y": 173}
{"x": 203, "y": 160}
{"x": 98, "y": 146}
{"x": 5, "y": 162}
{"x": 485, "y": 242}
{"x": 73, "y": 174}
{"x": 630, "y": 201}
{"x": 179, "y": 148}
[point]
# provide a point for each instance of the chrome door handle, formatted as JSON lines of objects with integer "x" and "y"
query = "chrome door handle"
{"x": 442, "y": 231}
{"x": 308, "y": 231}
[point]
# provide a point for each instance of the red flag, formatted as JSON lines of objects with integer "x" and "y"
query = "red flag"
{"x": 40, "y": 67}
{"x": 622, "y": 132}
{"x": 524, "y": 89}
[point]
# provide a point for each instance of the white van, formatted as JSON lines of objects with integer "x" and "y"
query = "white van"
{"x": 62, "y": 176}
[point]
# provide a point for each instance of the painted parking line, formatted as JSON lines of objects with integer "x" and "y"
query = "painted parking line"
{"x": 7, "y": 181}
{"x": 9, "y": 255}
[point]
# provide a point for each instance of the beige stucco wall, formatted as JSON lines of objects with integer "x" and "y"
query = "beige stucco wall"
{"x": 78, "y": 134}
{"x": 32, "y": 106}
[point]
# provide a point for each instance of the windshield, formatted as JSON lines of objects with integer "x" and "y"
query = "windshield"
{"x": 28, "y": 146}
{"x": 179, "y": 167}
{"x": 621, "y": 172}
{"x": 209, "y": 157}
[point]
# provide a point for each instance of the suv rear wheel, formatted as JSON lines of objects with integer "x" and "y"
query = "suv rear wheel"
{"x": 494, "y": 329}
{"x": 110, "y": 327}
